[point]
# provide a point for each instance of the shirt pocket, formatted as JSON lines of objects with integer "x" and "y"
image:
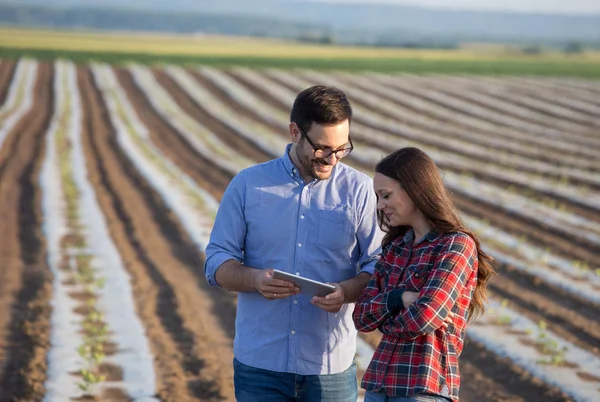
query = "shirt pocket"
{"x": 416, "y": 277}
{"x": 335, "y": 228}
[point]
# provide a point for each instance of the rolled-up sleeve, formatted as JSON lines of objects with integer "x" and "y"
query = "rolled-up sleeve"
{"x": 229, "y": 231}
{"x": 368, "y": 234}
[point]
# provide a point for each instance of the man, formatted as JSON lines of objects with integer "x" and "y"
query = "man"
{"x": 308, "y": 214}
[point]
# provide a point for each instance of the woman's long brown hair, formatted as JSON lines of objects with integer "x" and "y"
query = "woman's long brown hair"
{"x": 420, "y": 178}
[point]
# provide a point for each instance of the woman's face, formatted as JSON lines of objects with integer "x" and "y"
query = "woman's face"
{"x": 398, "y": 208}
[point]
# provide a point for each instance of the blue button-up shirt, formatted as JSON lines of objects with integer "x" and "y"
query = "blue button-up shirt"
{"x": 324, "y": 230}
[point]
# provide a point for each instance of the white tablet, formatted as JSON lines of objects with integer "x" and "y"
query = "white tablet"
{"x": 307, "y": 286}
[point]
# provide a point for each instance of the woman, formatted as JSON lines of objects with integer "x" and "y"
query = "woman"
{"x": 429, "y": 282}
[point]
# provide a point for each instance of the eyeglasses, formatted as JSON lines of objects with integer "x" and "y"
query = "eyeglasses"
{"x": 323, "y": 153}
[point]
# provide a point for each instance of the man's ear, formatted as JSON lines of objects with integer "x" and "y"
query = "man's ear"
{"x": 294, "y": 132}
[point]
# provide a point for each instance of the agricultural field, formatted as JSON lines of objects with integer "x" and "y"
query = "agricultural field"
{"x": 110, "y": 177}
{"x": 224, "y": 51}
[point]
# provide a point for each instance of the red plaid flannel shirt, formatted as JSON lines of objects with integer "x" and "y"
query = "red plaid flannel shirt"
{"x": 415, "y": 355}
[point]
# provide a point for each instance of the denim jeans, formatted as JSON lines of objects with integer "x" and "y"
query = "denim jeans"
{"x": 379, "y": 397}
{"x": 257, "y": 385}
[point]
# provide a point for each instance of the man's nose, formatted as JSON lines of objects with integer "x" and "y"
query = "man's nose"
{"x": 331, "y": 159}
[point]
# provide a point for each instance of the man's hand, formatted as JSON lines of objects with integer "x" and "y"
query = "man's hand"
{"x": 271, "y": 288}
{"x": 333, "y": 302}
{"x": 408, "y": 298}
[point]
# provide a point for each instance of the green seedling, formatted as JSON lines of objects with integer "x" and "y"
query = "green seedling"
{"x": 504, "y": 319}
{"x": 549, "y": 347}
{"x": 89, "y": 379}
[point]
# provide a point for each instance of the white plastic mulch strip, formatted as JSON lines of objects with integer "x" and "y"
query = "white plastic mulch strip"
{"x": 246, "y": 128}
{"x": 114, "y": 299}
{"x": 572, "y": 223}
{"x": 504, "y": 144}
{"x": 506, "y": 333}
{"x": 116, "y": 296}
{"x": 63, "y": 358}
{"x": 245, "y": 97}
{"x": 424, "y": 100}
{"x": 497, "y": 111}
{"x": 364, "y": 355}
{"x": 553, "y": 88}
{"x": 177, "y": 189}
{"x": 555, "y": 115}
{"x": 522, "y": 255}
{"x": 441, "y": 143}
{"x": 561, "y": 106}
{"x": 543, "y": 264}
{"x": 20, "y": 97}
{"x": 139, "y": 136}
{"x": 190, "y": 128}
{"x": 16, "y": 91}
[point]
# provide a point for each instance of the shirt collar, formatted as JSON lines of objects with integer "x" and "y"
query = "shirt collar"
{"x": 289, "y": 166}
{"x": 431, "y": 236}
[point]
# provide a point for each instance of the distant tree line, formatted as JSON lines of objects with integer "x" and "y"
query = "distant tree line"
{"x": 137, "y": 20}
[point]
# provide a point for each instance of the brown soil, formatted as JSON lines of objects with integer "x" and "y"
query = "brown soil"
{"x": 7, "y": 72}
{"x": 572, "y": 247}
{"x": 190, "y": 326}
{"x": 191, "y": 345}
{"x": 174, "y": 145}
{"x": 504, "y": 380}
{"x": 445, "y": 134}
{"x": 25, "y": 281}
{"x": 111, "y": 372}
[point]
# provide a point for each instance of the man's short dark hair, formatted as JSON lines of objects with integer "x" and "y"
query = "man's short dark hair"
{"x": 322, "y": 105}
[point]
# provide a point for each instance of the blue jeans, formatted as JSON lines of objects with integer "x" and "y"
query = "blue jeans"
{"x": 379, "y": 397}
{"x": 258, "y": 385}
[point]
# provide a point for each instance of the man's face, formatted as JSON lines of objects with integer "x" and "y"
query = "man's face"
{"x": 327, "y": 138}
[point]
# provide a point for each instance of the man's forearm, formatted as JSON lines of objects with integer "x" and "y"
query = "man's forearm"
{"x": 353, "y": 287}
{"x": 234, "y": 276}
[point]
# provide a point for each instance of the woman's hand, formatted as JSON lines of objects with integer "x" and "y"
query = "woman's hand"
{"x": 408, "y": 298}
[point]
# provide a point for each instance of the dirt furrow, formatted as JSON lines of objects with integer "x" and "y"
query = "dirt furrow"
{"x": 7, "y": 73}
{"x": 191, "y": 107}
{"x": 572, "y": 247}
{"x": 583, "y": 126}
{"x": 25, "y": 280}
{"x": 174, "y": 146}
{"x": 570, "y": 317}
{"x": 190, "y": 341}
{"x": 499, "y": 371}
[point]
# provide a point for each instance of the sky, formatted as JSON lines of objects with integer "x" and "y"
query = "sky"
{"x": 550, "y": 6}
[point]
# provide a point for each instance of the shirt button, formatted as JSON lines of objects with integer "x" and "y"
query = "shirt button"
{"x": 299, "y": 244}
{"x": 302, "y": 216}
{"x": 297, "y": 273}
{"x": 417, "y": 275}
{"x": 293, "y": 332}
{"x": 295, "y": 301}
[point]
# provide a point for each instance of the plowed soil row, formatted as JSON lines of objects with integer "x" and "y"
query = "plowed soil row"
{"x": 7, "y": 71}
{"x": 25, "y": 280}
{"x": 572, "y": 247}
{"x": 477, "y": 360}
{"x": 570, "y": 204}
{"x": 525, "y": 140}
{"x": 188, "y": 335}
{"x": 540, "y": 301}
